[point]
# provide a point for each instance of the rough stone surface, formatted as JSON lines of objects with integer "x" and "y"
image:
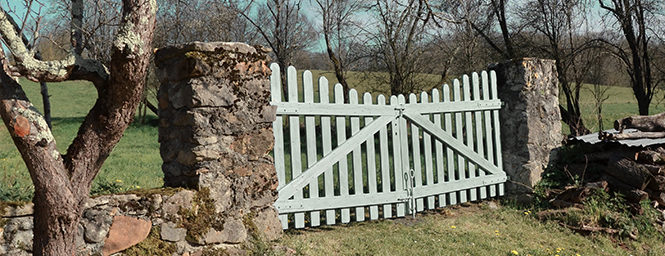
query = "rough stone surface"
{"x": 124, "y": 233}
{"x": 96, "y": 224}
{"x": 169, "y": 232}
{"x": 215, "y": 132}
{"x": 530, "y": 119}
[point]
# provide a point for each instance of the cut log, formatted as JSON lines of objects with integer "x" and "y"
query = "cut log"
{"x": 636, "y": 196}
{"x": 629, "y": 172}
{"x": 657, "y": 183}
{"x": 650, "y": 157}
{"x": 652, "y": 123}
{"x": 656, "y": 196}
{"x": 632, "y": 135}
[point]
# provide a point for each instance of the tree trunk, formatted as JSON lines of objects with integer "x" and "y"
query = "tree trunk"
{"x": 62, "y": 182}
{"x": 46, "y": 102}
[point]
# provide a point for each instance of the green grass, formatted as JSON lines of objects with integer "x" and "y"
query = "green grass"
{"x": 620, "y": 104}
{"x": 475, "y": 230}
{"x": 135, "y": 161}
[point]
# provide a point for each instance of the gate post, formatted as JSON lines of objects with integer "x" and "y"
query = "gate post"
{"x": 530, "y": 120}
{"x": 215, "y": 134}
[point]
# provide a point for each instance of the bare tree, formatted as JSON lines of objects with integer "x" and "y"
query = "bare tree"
{"x": 181, "y": 21}
{"x": 398, "y": 42}
{"x": 283, "y": 26}
{"x": 558, "y": 22}
{"x": 62, "y": 182}
{"x": 633, "y": 50}
{"x": 338, "y": 29}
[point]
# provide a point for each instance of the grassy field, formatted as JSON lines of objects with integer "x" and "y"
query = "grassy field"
{"x": 472, "y": 230}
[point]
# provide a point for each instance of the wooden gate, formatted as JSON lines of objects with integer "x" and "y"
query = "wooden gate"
{"x": 382, "y": 158}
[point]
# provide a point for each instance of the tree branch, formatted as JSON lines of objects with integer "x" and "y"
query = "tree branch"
{"x": 73, "y": 67}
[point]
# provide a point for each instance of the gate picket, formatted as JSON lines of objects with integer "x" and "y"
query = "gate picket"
{"x": 357, "y": 157}
{"x": 326, "y": 142}
{"x": 343, "y": 164}
{"x": 497, "y": 132}
{"x": 417, "y": 178}
{"x": 277, "y": 127}
{"x": 427, "y": 148}
{"x": 385, "y": 160}
{"x": 479, "y": 129}
{"x": 401, "y": 146}
{"x": 468, "y": 129}
{"x": 294, "y": 132}
{"x": 310, "y": 133}
{"x": 411, "y": 174}
{"x": 452, "y": 197}
{"x": 371, "y": 162}
{"x": 460, "y": 137}
{"x": 488, "y": 127}
{"x": 440, "y": 169}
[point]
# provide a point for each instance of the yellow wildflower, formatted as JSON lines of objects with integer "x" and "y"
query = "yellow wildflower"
{"x": 514, "y": 252}
{"x": 118, "y": 180}
{"x": 453, "y": 227}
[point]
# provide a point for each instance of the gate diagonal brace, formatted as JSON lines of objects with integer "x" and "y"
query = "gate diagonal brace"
{"x": 334, "y": 156}
{"x": 426, "y": 124}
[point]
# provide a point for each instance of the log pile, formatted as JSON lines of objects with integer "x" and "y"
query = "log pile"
{"x": 638, "y": 174}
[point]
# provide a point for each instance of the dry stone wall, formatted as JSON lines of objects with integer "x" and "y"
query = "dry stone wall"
{"x": 215, "y": 136}
{"x": 530, "y": 119}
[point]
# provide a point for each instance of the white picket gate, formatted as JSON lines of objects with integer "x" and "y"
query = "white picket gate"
{"x": 340, "y": 162}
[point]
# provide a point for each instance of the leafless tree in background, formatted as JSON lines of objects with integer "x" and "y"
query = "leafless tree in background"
{"x": 633, "y": 17}
{"x": 282, "y": 25}
{"x": 557, "y": 35}
{"x": 398, "y": 42}
{"x": 62, "y": 182}
{"x": 338, "y": 27}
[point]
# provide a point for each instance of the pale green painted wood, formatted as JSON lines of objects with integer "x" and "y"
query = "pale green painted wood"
{"x": 385, "y": 160}
{"x": 310, "y": 133}
{"x": 468, "y": 129}
{"x": 423, "y": 116}
{"x": 326, "y": 143}
{"x": 399, "y": 136}
{"x": 452, "y": 197}
{"x": 440, "y": 168}
{"x": 343, "y": 164}
{"x": 427, "y": 148}
{"x": 417, "y": 178}
{"x": 350, "y": 201}
{"x": 371, "y": 161}
{"x": 277, "y": 126}
{"x": 461, "y": 163}
{"x": 497, "y": 128}
{"x": 335, "y": 156}
{"x": 294, "y": 132}
{"x": 480, "y": 148}
{"x": 453, "y": 143}
{"x": 488, "y": 127}
{"x": 302, "y": 108}
{"x": 357, "y": 156}
{"x": 458, "y": 185}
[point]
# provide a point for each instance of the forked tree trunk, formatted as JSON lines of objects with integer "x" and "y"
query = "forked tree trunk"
{"x": 62, "y": 182}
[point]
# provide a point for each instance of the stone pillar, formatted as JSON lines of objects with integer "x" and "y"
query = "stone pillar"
{"x": 530, "y": 119}
{"x": 215, "y": 134}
